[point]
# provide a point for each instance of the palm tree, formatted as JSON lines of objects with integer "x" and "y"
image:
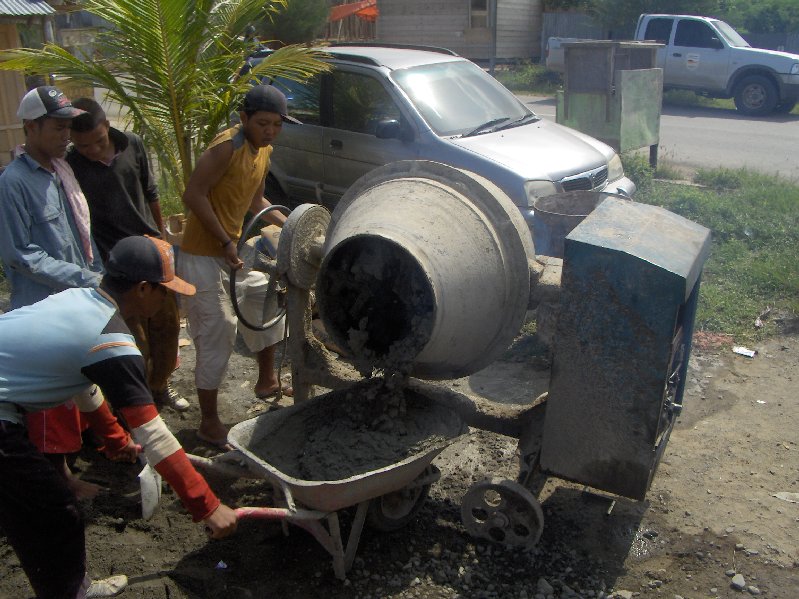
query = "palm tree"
{"x": 172, "y": 65}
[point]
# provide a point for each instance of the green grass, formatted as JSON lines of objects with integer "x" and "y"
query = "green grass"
{"x": 754, "y": 262}
{"x": 529, "y": 78}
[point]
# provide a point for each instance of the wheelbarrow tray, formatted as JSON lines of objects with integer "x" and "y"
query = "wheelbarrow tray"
{"x": 332, "y": 495}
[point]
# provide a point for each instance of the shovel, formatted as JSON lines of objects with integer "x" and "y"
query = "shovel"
{"x": 150, "y": 484}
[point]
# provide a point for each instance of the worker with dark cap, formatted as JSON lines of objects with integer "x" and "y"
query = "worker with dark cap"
{"x": 56, "y": 349}
{"x": 227, "y": 182}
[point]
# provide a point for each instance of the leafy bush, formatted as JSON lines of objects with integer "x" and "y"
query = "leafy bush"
{"x": 530, "y": 78}
{"x": 637, "y": 168}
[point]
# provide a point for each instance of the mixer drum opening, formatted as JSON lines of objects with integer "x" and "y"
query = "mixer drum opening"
{"x": 376, "y": 302}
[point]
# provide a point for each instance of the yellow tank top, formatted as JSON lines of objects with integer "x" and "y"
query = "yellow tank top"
{"x": 231, "y": 197}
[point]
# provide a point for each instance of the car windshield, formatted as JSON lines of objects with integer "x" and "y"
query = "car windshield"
{"x": 733, "y": 37}
{"x": 459, "y": 98}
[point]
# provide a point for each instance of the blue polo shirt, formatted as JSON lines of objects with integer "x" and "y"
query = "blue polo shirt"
{"x": 39, "y": 242}
{"x": 58, "y": 347}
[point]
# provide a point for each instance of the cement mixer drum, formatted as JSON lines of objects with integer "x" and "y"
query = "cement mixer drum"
{"x": 425, "y": 270}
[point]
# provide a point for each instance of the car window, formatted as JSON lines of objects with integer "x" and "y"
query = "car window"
{"x": 733, "y": 37}
{"x": 456, "y": 97}
{"x": 694, "y": 34}
{"x": 659, "y": 30}
{"x": 302, "y": 98}
{"x": 360, "y": 102}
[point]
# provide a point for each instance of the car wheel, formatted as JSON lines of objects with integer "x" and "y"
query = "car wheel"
{"x": 275, "y": 194}
{"x": 785, "y": 107}
{"x": 755, "y": 95}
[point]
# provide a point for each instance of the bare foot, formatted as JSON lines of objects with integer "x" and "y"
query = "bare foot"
{"x": 83, "y": 489}
{"x": 214, "y": 434}
{"x": 270, "y": 389}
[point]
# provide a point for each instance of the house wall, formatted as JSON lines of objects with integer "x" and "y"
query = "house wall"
{"x": 429, "y": 22}
{"x": 12, "y": 88}
{"x": 445, "y": 23}
{"x": 519, "y": 29}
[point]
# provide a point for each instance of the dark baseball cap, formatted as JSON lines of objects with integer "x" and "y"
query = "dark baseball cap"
{"x": 46, "y": 100}
{"x": 145, "y": 258}
{"x": 268, "y": 99}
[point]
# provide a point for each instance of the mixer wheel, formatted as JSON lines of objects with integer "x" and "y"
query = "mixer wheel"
{"x": 393, "y": 511}
{"x": 504, "y": 512}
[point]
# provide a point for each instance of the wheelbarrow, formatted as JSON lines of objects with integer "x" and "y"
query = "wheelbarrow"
{"x": 387, "y": 496}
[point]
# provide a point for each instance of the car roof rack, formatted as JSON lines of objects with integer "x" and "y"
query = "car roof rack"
{"x": 437, "y": 49}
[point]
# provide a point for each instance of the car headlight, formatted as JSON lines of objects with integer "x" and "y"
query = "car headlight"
{"x": 538, "y": 189}
{"x": 615, "y": 168}
{"x": 795, "y": 68}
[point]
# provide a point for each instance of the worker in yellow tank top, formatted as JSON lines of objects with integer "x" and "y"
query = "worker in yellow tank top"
{"x": 227, "y": 182}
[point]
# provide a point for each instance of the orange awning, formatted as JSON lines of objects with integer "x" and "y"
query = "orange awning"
{"x": 369, "y": 13}
{"x": 343, "y": 11}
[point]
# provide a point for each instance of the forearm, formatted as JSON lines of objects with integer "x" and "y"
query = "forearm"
{"x": 26, "y": 257}
{"x": 259, "y": 202}
{"x": 95, "y": 409}
{"x": 155, "y": 210}
{"x": 164, "y": 453}
{"x": 34, "y": 263}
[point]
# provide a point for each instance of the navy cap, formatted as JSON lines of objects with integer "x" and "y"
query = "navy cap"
{"x": 268, "y": 99}
{"x": 145, "y": 258}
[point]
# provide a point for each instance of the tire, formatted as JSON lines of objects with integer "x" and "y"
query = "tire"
{"x": 275, "y": 194}
{"x": 755, "y": 95}
{"x": 393, "y": 511}
{"x": 785, "y": 107}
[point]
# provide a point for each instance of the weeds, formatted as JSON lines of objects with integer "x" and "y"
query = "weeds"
{"x": 530, "y": 78}
{"x": 754, "y": 262}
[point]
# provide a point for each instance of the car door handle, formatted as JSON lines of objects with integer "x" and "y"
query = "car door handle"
{"x": 677, "y": 54}
{"x": 336, "y": 144}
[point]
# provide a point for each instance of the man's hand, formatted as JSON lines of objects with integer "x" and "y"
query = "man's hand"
{"x": 221, "y": 523}
{"x": 129, "y": 453}
{"x": 232, "y": 256}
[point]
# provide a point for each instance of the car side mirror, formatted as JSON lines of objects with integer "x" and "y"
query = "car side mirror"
{"x": 388, "y": 129}
{"x": 716, "y": 43}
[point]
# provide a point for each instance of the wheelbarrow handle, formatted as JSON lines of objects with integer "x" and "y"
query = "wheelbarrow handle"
{"x": 262, "y": 513}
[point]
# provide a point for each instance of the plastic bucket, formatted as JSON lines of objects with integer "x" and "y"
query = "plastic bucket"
{"x": 556, "y": 215}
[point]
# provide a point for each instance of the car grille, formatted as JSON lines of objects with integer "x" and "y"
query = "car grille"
{"x": 586, "y": 181}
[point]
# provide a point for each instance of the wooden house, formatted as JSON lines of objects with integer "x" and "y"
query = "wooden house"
{"x": 13, "y": 15}
{"x": 482, "y": 30}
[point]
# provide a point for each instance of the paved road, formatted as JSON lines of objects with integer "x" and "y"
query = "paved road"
{"x": 698, "y": 137}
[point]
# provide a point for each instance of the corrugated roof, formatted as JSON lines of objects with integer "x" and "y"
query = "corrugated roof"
{"x": 20, "y": 8}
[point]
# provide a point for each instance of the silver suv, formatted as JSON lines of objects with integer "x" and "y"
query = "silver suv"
{"x": 383, "y": 103}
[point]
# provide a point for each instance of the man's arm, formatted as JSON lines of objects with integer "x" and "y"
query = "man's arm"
{"x": 29, "y": 259}
{"x": 149, "y": 186}
{"x": 259, "y": 202}
{"x": 209, "y": 170}
{"x": 155, "y": 210}
{"x": 122, "y": 379}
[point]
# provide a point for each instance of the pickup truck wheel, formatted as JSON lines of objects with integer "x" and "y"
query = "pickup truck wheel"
{"x": 785, "y": 107}
{"x": 755, "y": 95}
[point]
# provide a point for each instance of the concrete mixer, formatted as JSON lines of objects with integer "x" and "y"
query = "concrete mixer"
{"x": 425, "y": 273}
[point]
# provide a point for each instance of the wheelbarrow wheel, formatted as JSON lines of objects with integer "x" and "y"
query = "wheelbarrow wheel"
{"x": 395, "y": 510}
{"x": 502, "y": 511}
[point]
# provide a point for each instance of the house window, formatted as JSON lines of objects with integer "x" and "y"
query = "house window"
{"x": 478, "y": 14}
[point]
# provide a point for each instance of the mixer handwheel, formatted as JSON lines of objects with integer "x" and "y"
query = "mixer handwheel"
{"x": 502, "y": 511}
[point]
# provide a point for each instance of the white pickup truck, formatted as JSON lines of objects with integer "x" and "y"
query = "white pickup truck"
{"x": 709, "y": 57}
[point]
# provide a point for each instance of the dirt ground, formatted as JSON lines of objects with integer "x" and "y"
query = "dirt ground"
{"x": 712, "y": 511}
